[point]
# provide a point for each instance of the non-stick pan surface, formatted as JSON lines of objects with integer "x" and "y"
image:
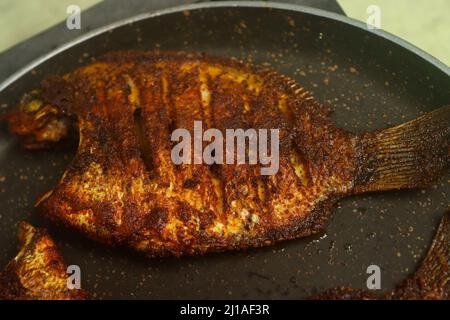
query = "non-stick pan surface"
{"x": 371, "y": 79}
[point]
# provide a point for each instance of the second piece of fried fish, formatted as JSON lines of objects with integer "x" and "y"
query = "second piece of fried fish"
{"x": 122, "y": 186}
{"x": 38, "y": 272}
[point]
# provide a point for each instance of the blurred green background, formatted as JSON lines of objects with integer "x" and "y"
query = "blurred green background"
{"x": 424, "y": 23}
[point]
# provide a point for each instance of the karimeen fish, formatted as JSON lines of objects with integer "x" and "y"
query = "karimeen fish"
{"x": 38, "y": 272}
{"x": 122, "y": 186}
{"x": 430, "y": 282}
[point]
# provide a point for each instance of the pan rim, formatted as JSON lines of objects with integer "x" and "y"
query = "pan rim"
{"x": 227, "y": 4}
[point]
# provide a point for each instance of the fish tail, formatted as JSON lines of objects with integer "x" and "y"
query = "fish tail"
{"x": 432, "y": 279}
{"x": 410, "y": 155}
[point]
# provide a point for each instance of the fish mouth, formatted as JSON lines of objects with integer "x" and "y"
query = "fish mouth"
{"x": 37, "y": 123}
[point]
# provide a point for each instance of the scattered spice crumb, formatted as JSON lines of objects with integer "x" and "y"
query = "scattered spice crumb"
{"x": 333, "y": 68}
{"x": 291, "y": 21}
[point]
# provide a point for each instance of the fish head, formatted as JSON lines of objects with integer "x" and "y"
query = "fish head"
{"x": 38, "y": 123}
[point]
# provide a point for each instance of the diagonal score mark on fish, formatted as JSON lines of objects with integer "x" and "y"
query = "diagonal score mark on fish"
{"x": 122, "y": 186}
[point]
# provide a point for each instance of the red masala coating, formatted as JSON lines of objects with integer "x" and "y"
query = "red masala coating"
{"x": 122, "y": 186}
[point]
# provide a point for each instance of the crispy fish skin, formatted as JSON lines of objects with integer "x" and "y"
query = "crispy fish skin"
{"x": 430, "y": 282}
{"x": 38, "y": 272}
{"x": 123, "y": 188}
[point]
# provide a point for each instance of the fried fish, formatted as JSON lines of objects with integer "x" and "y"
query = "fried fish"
{"x": 38, "y": 272}
{"x": 122, "y": 186}
{"x": 430, "y": 282}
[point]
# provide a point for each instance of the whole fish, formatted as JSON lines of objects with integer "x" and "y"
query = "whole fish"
{"x": 123, "y": 187}
{"x": 430, "y": 282}
{"x": 38, "y": 272}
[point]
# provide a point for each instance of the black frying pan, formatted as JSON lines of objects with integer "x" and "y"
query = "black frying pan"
{"x": 371, "y": 79}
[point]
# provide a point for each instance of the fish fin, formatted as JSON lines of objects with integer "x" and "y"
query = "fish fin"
{"x": 432, "y": 279}
{"x": 410, "y": 155}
